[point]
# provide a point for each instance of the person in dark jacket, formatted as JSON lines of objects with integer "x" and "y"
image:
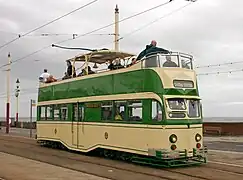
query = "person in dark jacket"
{"x": 70, "y": 70}
{"x": 150, "y": 49}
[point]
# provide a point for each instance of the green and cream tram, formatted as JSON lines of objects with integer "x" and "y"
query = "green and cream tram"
{"x": 144, "y": 112}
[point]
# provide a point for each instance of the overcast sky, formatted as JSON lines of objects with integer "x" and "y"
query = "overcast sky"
{"x": 209, "y": 30}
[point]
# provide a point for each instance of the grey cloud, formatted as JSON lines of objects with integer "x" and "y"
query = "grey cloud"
{"x": 210, "y": 30}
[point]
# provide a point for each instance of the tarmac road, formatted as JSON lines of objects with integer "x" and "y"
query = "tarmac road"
{"x": 225, "y": 146}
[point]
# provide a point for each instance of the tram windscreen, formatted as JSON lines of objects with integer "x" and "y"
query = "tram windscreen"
{"x": 193, "y": 108}
{"x": 189, "y": 106}
{"x": 177, "y": 104}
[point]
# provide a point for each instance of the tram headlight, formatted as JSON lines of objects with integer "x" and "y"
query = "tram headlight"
{"x": 198, "y": 137}
{"x": 170, "y": 115}
{"x": 173, "y": 138}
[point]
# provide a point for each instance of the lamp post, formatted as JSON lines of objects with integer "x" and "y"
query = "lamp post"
{"x": 8, "y": 94}
{"x": 17, "y": 90}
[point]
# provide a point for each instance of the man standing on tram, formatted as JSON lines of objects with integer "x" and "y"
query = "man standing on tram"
{"x": 150, "y": 49}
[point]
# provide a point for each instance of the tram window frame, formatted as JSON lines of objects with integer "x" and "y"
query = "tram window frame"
{"x": 107, "y": 104}
{"x": 78, "y": 108}
{"x": 56, "y": 108}
{"x": 49, "y": 109}
{"x": 63, "y": 107}
{"x": 121, "y": 103}
{"x": 131, "y": 106}
{"x": 42, "y": 108}
{"x": 157, "y": 109}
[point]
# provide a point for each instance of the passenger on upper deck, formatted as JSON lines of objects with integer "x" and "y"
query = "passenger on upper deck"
{"x": 150, "y": 49}
{"x": 169, "y": 63}
{"x": 70, "y": 70}
{"x": 46, "y": 77}
{"x": 90, "y": 71}
{"x": 83, "y": 72}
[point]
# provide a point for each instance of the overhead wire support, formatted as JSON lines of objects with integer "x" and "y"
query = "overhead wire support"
{"x": 124, "y": 19}
{"x": 47, "y": 23}
{"x": 90, "y": 32}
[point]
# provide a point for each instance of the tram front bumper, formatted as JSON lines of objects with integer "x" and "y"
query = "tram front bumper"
{"x": 194, "y": 154}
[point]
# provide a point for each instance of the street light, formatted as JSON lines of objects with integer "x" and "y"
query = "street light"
{"x": 8, "y": 94}
{"x": 17, "y": 90}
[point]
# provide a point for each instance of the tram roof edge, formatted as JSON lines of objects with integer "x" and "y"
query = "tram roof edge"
{"x": 102, "y": 56}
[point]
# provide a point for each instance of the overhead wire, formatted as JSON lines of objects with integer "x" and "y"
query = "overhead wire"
{"x": 25, "y": 34}
{"x": 22, "y": 92}
{"x": 124, "y": 19}
{"x": 90, "y": 32}
{"x": 154, "y": 21}
{"x": 220, "y": 72}
{"x": 148, "y": 24}
{"x": 218, "y": 65}
{"x": 57, "y": 34}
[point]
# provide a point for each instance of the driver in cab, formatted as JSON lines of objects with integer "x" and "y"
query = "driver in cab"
{"x": 169, "y": 63}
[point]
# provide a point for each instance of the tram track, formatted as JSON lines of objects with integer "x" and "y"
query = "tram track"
{"x": 125, "y": 170}
{"x": 115, "y": 166}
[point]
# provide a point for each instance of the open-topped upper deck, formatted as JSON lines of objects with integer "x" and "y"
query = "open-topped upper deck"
{"x": 120, "y": 62}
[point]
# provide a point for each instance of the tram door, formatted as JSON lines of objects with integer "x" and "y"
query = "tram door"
{"x": 77, "y": 124}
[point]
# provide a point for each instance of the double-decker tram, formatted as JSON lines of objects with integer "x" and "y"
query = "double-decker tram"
{"x": 148, "y": 111}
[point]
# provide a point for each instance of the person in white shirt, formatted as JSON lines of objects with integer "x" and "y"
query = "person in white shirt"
{"x": 46, "y": 77}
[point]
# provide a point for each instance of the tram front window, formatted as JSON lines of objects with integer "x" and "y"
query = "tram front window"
{"x": 168, "y": 61}
{"x": 179, "y": 107}
{"x": 176, "y": 104}
{"x": 193, "y": 108}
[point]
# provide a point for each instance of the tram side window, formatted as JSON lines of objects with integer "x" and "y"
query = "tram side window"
{"x": 49, "y": 111}
{"x": 75, "y": 112}
{"x": 106, "y": 111}
{"x": 56, "y": 112}
{"x": 156, "y": 111}
{"x": 43, "y": 113}
{"x": 64, "y": 113}
{"x": 78, "y": 116}
{"x": 135, "y": 109}
{"x": 119, "y": 108}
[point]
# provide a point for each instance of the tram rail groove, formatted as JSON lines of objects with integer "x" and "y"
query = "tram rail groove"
{"x": 149, "y": 175}
{"x": 152, "y": 175}
{"x": 177, "y": 171}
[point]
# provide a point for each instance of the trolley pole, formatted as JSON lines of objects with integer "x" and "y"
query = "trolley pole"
{"x": 17, "y": 90}
{"x": 8, "y": 94}
{"x": 116, "y": 28}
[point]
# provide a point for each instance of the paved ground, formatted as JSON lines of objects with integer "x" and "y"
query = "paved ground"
{"x": 224, "y": 143}
{"x": 225, "y": 146}
{"x": 19, "y": 132}
{"x": 16, "y": 167}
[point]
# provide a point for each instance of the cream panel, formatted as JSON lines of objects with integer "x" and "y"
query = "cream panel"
{"x": 103, "y": 98}
{"x": 168, "y": 75}
{"x": 130, "y": 138}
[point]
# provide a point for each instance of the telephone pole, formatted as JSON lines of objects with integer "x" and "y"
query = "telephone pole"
{"x": 116, "y": 28}
{"x": 8, "y": 94}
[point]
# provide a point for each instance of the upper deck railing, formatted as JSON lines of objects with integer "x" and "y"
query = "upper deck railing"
{"x": 175, "y": 59}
